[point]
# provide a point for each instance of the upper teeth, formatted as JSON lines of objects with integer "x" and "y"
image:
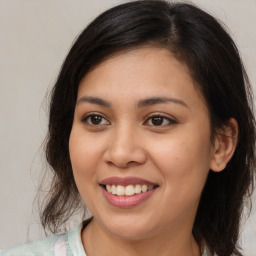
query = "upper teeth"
{"x": 129, "y": 190}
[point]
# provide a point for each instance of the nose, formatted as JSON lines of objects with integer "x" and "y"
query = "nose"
{"x": 125, "y": 149}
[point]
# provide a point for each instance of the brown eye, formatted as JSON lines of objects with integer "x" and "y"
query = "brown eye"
{"x": 159, "y": 120}
{"x": 94, "y": 119}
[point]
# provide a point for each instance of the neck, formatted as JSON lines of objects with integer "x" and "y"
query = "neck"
{"x": 177, "y": 242}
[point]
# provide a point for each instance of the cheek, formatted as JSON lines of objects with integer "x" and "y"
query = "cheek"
{"x": 84, "y": 159}
{"x": 83, "y": 148}
{"x": 84, "y": 156}
{"x": 183, "y": 160}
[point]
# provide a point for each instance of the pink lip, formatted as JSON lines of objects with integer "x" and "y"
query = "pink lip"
{"x": 124, "y": 181}
{"x": 127, "y": 201}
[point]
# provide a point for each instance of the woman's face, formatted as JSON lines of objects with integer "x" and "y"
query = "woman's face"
{"x": 140, "y": 144}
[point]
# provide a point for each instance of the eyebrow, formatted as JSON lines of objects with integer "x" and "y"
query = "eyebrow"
{"x": 159, "y": 100}
{"x": 94, "y": 100}
{"x": 141, "y": 104}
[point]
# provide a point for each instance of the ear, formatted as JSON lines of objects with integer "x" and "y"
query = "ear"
{"x": 224, "y": 145}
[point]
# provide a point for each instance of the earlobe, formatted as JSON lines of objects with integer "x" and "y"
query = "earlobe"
{"x": 225, "y": 145}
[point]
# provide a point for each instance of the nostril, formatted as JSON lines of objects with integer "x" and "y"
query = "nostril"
{"x": 125, "y": 154}
{"x": 122, "y": 163}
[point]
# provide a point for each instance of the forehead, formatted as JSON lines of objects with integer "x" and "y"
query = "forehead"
{"x": 142, "y": 71}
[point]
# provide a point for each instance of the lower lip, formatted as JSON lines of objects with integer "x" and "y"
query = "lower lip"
{"x": 127, "y": 201}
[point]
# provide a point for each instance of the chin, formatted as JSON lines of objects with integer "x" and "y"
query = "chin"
{"x": 130, "y": 229}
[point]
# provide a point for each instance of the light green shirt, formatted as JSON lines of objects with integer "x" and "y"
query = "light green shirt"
{"x": 68, "y": 244}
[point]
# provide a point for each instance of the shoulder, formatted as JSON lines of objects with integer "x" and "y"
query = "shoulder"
{"x": 61, "y": 245}
{"x": 43, "y": 247}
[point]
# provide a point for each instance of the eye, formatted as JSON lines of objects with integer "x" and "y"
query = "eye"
{"x": 159, "y": 120}
{"x": 95, "y": 119}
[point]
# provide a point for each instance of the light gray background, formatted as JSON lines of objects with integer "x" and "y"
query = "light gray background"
{"x": 35, "y": 37}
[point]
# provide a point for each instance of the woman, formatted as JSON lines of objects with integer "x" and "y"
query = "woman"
{"x": 151, "y": 127}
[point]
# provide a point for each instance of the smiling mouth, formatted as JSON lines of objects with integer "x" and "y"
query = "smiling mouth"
{"x": 129, "y": 190}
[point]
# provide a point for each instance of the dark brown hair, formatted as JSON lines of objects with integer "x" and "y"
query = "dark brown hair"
{"x": 197, "y": 39}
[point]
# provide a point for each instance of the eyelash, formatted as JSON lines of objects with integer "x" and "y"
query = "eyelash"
{"x": 86, "y": 119}
{"x": 162, "y": 118}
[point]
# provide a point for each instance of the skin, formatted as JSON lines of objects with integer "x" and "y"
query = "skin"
{"x": 176, "y": 155}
